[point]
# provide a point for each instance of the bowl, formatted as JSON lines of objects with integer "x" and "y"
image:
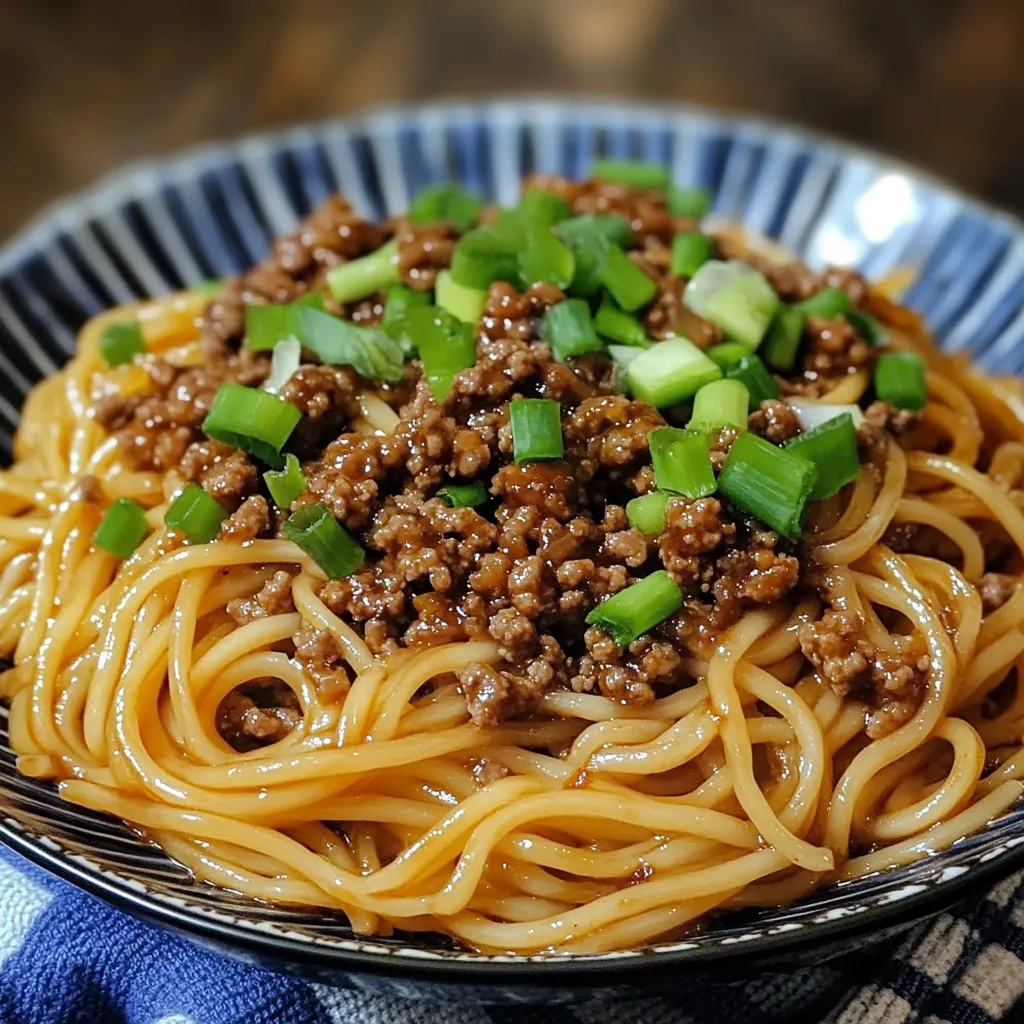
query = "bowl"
{"x": 211, "y": 212}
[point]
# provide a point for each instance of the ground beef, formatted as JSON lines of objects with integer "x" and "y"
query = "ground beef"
{"x": 833, "y": 348}
{"x": 275, "y": 598}
{"x": 257, "y": 714}
{"x": 775, "y": 421}
{"x": 323, "y": 661}
{"x": 422, "y": 252}
{"x": 996, "y": 589}
{"x": 885, "y": 416}
{"x": 226, "y": 474}
{"x": 251, "y": 519}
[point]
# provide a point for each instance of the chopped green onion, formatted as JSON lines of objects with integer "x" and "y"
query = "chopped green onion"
{"x": 446, "y": 203}
{"x": 647, "y": 513}
{"x": 545, "y": 258}
{"x": 623, "y": 355}
{"x": 569, "y": 330}
{"x": 359, "y": 278}
{"x": 612, "y": 323}
{"x": 446, "y": 346}
{"x": 484, "y": 255}
{"x": 727, "y": 354}
{"x": 284, "y": 362}
{"x": 832, "y": 447}
{"x": 752, "y": 373}
{"x": 899, "y": 379}
{"x": 122, "y": 529}
{"x": 670, "y": 372}
{"x": 539, "y": 207}
{"x": 195, "y": 514}
{"x": 367, "y": 349}
{"x": 324, "y": 539}
{"x": 536, "y": 429}
{"x": 770, "y": 483}
{"x": 266, "y": 325}
{"x": 631, "y": 612}
{"x": 627, "y": 284}
{"x": 690, "y": 251}
{"x": 285, "y": 485}
{"x": 827, "y": 304}
{"x": 253, "y": 420}
{"x": 735, "y": 297}
{"x": 812, "y": 414}
{"x": 463, "y": 495}
{"x": 634, "y": 173}
{"x": 681, "y": 462}
{"x": 465, "y": 303}
{"x": 400, "y": 299}
{"x": 120, "y": 343}
{"x": 781, "y": 345}
{"x": 688, "y": 201}
{"x": 589, "y": 253}
{"x": 211, "y": 286}
{"x": 609, "y": 226}
{"x": 722, "y": 403}
{"x": 865, "y": 325}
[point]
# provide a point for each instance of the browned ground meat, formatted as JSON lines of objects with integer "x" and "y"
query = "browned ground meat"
{"x": 833, "y": 348}
{"x": 319, "y": 654}
{"x": 250, "y": 520}
{"x": 996, "y": 589}
{"x": 274, "y": 599}
{"x": 885, "y": 416}
{"x": 775, "y": 421}
{"x": 257, "y": 714}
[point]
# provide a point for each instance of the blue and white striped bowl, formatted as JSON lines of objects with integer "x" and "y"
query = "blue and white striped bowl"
{"x": 215, "y": 210}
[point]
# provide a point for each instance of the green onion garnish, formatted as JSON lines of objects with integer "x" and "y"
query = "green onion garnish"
{"x": 899, "y": 379}
{"x": 122, "y": 529}
{"x": 627, "y": 284}
{"x": 722, "y": 403}
{"x": 539, "y": 207}
{"x": 781, "y": 345}
{"x": 615, "y": 325}
{"x": 623, "y": 355}
{"x": 545, "y": 258}
{"x": 735, "y": 297}
{"x": 324, "y": 539}
{"x": 670, "y": 372}
{"x": 359, "y": 278}
{"x": 463, "y": 495}
{"x": 690, "y": 251}
{"x": 446, "y": 203}
{"x": 536, "y": 429}
{"x": 211, "y": 286}
{"x": 445, "y": 344}
{"x": 727, "y": 354}
{"x": 253, "y": 420}
{"x": 754, "y": 376}
{"x": 634, "y": 173}
{"x": 569, "y": 330}
{"x": 195, "y": 514}
{"x": 369, "y": 350}
{"x": 400, "y": 299}
{"x": 486, "y": 254}
{"x": 266, "y": 325}
{"x": 827, "y": 304}
{"x": 631, "y": 612}
{"x": 681, "y": 462}
{"x": 120, "y": 343}
{"x": 285, "y": 485}
{"x": 609, "y": 226}
{"x": 832, "y": 448}
{"x": 865, "y": 325}
{"x": 647, "y": 513}
{"x": 589, "y": 254}
{"x": 467, "y": 304}
{"x": 770, "y": 483}
{"x": 688, "y": 201}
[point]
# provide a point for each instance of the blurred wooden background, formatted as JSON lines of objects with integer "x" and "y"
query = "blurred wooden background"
{"x": 90, "y": 84}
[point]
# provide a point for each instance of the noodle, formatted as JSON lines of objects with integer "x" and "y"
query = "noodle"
{"x": 582, "y": 823}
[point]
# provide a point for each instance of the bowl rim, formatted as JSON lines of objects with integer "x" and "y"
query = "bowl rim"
{"x": 542, "y": 970}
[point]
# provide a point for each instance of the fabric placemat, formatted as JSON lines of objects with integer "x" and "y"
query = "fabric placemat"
{"x": 68, "y": 958}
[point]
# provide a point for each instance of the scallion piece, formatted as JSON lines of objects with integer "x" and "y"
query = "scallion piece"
{"x": 446, "y": 346}
{"x": 681, "y": 462}
{"x": 120, "y": 343}
{"x": 211, "y": 286}
{"x": 631, "y": 612}
{"x": 647, "y": 513}
{"x": 813, "y": 414}
{"x": 832, "y": 448}
{"x": 754, "y": 376}
{"x": 356, "y": 279}
{"x": 627, "y": 284}
{"x": 284, "y": 362}
{"x": 827, "y": 304}
{"x": 569, "y": 330}
{"x": 545, "y": 258}
{"x": 770, "y": 483}
{"x": 536, "y": 429}
{"x": 727, "y": 354}
{"x": 195, "y": 514}
{"x": 465, "y": 303}
{"x": 722, "y": 403}
{"x": 615, "y": 325}
{"x": 670, "y": 372}
{"x": 608, "y": 226}
{"x": 735, "y": 297}
{"x": 690, "y": 251}
{"x": 865, "y": 325}
{"x": 253, "y": 420}
{"x": 538, "y": 207}
{"x": 634, "y": 173}
{"x": 367, "y": 349}
{"x": 688, "y": 201}
{"x": 324, "y": 539}
{"x": 463, "y": 495}
{"x": 623, "y": 355}
{"x": 486, "y": 254}
{"x": 285, "y": 485}
{"x": 446, "y": 203}
{"x": 782, "y": 343}
{"x": 400, "y": 299}
{"x": 122, "y": 529}
{"x": 899, "y": 379}
{"x": 589, "y": 253}
{"x": 266, "y": 325}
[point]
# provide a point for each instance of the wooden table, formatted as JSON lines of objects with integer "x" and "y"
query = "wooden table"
{"x": 90, "y": 84}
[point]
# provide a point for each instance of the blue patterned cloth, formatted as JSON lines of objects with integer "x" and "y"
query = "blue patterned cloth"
{"x": 67, "y": 958}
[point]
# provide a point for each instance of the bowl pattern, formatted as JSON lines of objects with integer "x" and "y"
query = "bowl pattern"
{"x": 215, "y": 210}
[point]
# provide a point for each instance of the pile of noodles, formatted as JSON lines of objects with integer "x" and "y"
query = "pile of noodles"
{"x": 611, "y": 826}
